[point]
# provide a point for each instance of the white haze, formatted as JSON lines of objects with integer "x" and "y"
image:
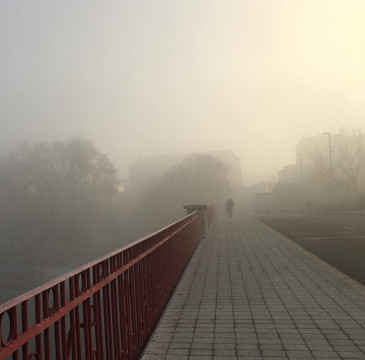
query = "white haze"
{"x": 153, "y": 77}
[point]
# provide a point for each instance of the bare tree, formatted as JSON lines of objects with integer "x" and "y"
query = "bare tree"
{"x": 348, "y": 164}
{"x": 349, "y": 161}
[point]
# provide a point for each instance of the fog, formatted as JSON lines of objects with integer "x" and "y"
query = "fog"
{"x": 141, "y": 78}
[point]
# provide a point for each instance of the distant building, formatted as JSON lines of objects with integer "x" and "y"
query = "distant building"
{"x": 289, "y": 174}
{"x": 145, "y": 169}
{"x": 307, "y": 147}
{"x": 340, "y": 184}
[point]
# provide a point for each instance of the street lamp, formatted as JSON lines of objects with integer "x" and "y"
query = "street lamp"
{"x": 330, "y": 168}
{"x": 301, "y": 167}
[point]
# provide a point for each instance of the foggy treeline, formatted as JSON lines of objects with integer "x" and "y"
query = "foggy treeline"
{"x": 55, "y": 199}
{"x": 62, "y": 203}
{"x": 199, "y": 179}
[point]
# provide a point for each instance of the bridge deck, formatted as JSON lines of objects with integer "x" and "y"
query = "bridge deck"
{"x": 250, "y": 293}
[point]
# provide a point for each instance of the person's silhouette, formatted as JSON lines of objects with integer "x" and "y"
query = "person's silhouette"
{"x": 229, "y": 207}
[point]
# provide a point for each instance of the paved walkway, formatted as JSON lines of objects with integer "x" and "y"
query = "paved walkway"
{"x": 250, "y": 293}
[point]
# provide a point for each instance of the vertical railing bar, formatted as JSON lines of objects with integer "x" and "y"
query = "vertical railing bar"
{"x": 14, "y": 310}
{"x": 123, "y": 324}
{"x": 71, "y": 336}
{"x": 38, "y": 319}
{"x": 63, "y": 321}
{"x": 139, "y": 305}
{"x": 128, "y": 309}
{"x": 107, "y": 317}
{"x": 78, "y": 331}
{"x": 47, "y": 350}
{"x": 87, "y": 318}
{"x": 132, "y": 309}
{"x": 24, "y": 312}
{"x": 115, "y": 317}
{"x": 144, "y": 297}
{"x": 86, "y": 325}
{"x": 100, "y": 340}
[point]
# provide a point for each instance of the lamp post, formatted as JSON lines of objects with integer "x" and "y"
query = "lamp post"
{"x": 330, "y": 168}
{"x": 301, "y": 167}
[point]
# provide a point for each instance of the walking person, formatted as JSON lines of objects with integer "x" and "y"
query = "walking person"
{"x": 229, "y": 207}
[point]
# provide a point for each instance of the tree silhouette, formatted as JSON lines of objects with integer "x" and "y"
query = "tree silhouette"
{"x": 199, "y": 179}
{"x": 348, "y": 164}
{"x": 54, "y": 195}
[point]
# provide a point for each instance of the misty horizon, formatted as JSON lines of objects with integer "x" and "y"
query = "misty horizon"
{"x": 151, "y": 78}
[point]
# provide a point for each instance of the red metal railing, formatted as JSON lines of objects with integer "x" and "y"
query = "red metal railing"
{"x": 106, "y": 309}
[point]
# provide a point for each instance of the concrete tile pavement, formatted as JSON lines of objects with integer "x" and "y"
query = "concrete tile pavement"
{"x": 250, "y": 293}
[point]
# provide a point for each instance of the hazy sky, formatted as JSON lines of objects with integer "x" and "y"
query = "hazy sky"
{"x": 155, "y": 77}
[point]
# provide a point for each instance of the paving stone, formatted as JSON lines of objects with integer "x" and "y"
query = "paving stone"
{"x": 178, "y": 351}
{"x": 325, "y": 354}
{"x": 156, "y": 351}
{"x": 225, "y": 352}
{"x": 298, "y": 353}
{"x": 201, "y": 352}
{"x": 249, "y": 352}
{"x": 271, "y": 347}
{"x": 274, "y": 353}
{"x": 223, "y": 346}
{"x": 153, "y": 357}
{"x": 179, "y": 345}
{"x": 199, "y": 345}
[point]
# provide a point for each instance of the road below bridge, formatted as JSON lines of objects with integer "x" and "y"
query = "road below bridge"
{"x": 339, "y": 239}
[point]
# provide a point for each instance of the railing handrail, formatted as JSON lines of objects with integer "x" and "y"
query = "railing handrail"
{"x": 48, "y": 285}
